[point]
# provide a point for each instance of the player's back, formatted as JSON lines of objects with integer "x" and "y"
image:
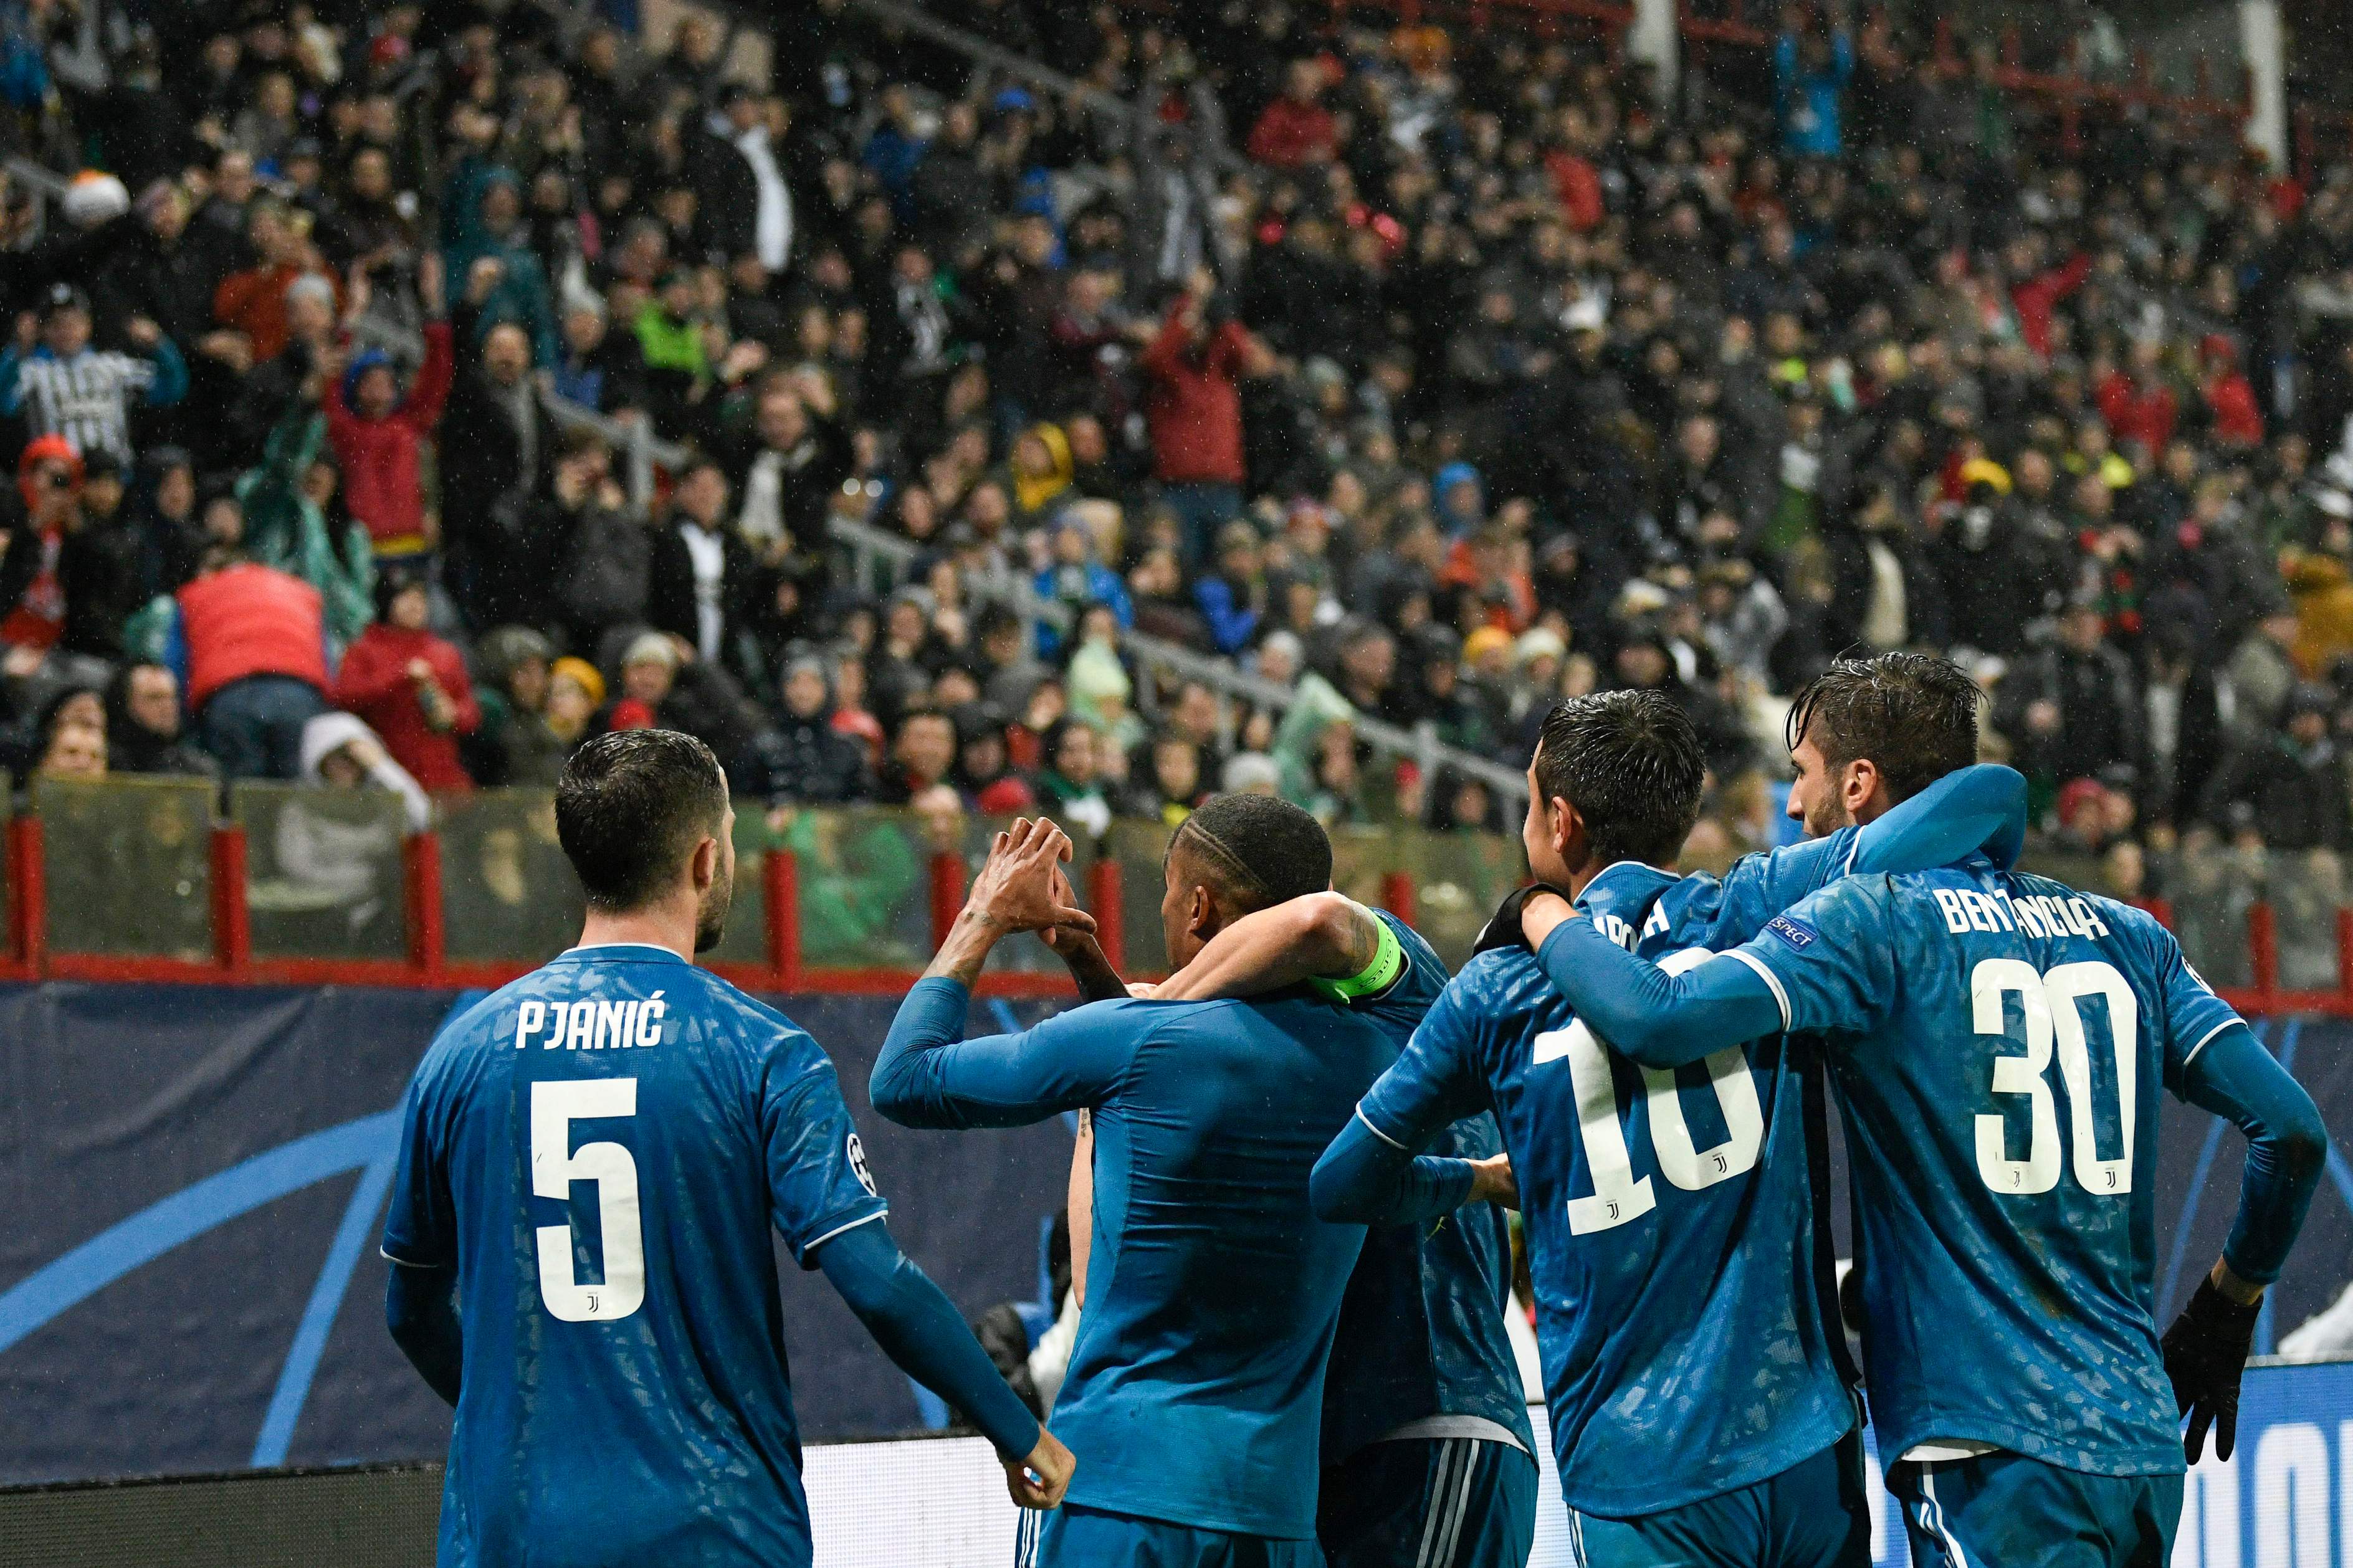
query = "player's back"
{"x": 1195, "y": 1386}
{"x": 2003, "y": 1117}
{"x": 602, "y": 1145}
{"x": 1687, "y": 1348}
{"x": 1421, "y": 1328}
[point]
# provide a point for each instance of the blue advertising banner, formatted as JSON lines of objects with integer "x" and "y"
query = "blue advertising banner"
{"x": 196, "y": 1176}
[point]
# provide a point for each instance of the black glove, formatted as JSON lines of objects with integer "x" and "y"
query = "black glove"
{"x": 1504, "y": 929}
{"x": 2205, "y": 1353}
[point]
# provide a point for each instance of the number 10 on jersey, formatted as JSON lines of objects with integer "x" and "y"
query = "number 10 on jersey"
{"x": 1618, "y": 1197}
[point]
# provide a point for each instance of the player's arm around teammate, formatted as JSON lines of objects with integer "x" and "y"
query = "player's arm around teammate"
{"x": 1829, "y": 966}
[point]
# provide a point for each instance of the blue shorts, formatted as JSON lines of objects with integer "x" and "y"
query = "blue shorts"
{"x": 1430, "y": 1502}
{"x": 1075, "y": 1537}
{"x": 2005, "y": 1511}
{"x": 1813, "y": 1515}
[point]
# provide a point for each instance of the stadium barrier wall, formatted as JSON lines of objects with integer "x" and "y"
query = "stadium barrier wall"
{"x": 196, "y": 1175}
{"x": 2284, "y": 1497}
{"x": 138, "y": 879}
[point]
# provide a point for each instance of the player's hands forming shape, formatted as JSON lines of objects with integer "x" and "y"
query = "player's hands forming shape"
{"x": 1017, "y": 888}
{"x": 1050, "y": 1464}
{"x": 1059, "y": 936}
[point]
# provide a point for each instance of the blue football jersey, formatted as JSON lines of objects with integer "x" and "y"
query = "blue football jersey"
{"x": 1998, "y": 1041}
{"x": 1687, "y": 1350}
{"x": 1421, "y": 1329}
{"x": 600, "y": 1151}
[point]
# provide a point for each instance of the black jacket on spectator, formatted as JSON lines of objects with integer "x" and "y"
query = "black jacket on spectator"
{"x": 98, "y": 570}
{"x": 2099, "y": 712}
{"x": 670, "y": 582}
{"x": 503, "y": 567}
{"x": 2295, "y": 796}
{"x": 608, "y": 568}
{"x": 813, "y": 762}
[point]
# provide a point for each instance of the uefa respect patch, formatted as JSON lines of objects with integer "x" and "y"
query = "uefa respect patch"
{"x": 1794, "y": 931}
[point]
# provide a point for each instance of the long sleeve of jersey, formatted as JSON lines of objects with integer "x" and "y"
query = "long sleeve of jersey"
{"x": 927, "y": 1076}
{"x": 1373, "y": 1172}
{"x": 1657, "y": 1019}
{"x": 925, "y": 1336}
{"x": 2233, "y": 1076}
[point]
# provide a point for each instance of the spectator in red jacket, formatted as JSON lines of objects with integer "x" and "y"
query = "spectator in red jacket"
{"x": 250, "y": 645}
{"x": 1195, "y": 413}
{"x": 410, "y": 685}
{"x": 2230, "y": 396}
{"x": 253, "y": 302}
{"x": 2137, "y": 403}
{"x": 1296, "y": 128}
{"x": 378, "y": 435}
{"x": 2035, "y": 296}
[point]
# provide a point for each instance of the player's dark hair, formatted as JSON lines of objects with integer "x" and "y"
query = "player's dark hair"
{"x": 1912, "y": 715}
{"x": 1256, "y": 850}
{"x": 1631, "y": 762}
{"x": 631, "y": 808}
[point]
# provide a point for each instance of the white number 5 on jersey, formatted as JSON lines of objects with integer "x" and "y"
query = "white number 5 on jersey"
{"x": 555, "y": 1104}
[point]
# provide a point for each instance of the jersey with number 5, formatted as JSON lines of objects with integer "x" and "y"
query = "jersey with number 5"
{"x": 1686, "y": 1351}
{"x": 600, "y": 1149}
{"x": 1998, "y": 1041}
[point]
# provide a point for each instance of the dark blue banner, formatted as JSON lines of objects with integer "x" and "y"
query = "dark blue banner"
{"x": 194, "y": 1179}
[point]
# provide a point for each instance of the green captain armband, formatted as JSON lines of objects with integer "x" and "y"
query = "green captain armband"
{"x": 1375, "y": 977}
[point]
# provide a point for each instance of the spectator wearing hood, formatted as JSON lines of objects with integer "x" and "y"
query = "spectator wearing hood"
{"x": 144, "y": 728}
{"x": 485, "y": 243}
{"x": 815, "y": 763}
{"x": 1039, "y": 471}
{"x": 379, "y": 433}
{"x": 410, "y": 686}
{"x": 345, "y": 862}
{"x": 515, "y": 746}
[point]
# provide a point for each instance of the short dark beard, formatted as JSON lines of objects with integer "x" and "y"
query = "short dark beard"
{"x": 710, "y": 918}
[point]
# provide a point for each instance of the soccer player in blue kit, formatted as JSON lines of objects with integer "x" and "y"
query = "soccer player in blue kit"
{"x": 591, "y": 1160}
{"x": 1998, "y": 1040}
{"x": 1197, "y": 1381}
{"x": 1428, "y": 1457}
{"x": 1699, "y": 1411}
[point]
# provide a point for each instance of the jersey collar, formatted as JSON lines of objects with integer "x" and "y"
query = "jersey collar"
{"x": 635, "y": 952}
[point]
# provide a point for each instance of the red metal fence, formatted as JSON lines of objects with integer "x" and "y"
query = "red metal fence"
{"x": 28, "y": 954}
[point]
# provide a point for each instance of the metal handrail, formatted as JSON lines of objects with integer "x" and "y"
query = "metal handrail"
{"x": 869, "y": 544}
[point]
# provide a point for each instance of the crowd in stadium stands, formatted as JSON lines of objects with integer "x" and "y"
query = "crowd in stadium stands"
{"x": 1438, "y": 375}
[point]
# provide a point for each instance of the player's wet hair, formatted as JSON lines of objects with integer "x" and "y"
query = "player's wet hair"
{"x": 1631, "y": 762}
{"x": 1256, "y": 850}
{"x": 631, "y": 808}
{"x": 1913, "y": 715}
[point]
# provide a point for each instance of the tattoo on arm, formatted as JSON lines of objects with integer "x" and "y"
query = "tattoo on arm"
{"x": 1360, "y": 941}
{"x": 967, "y": 949}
